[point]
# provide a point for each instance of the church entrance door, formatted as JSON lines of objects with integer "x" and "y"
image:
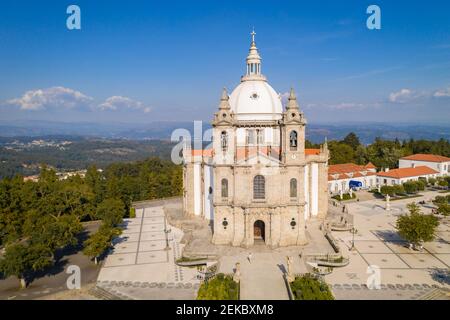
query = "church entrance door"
{"x": 259, "y": 230}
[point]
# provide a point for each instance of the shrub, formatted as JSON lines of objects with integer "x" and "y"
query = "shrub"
{"x": 221, "y": 287}
{"x": 308, "y": 287}
{"x": 384, "y": 190}
{"x": 398, "y": 189}
{"x": 444, "y": 209}
{"x": 410, "y": 187}
{"x": 440, "y": 199}
{"x": 345, "y": 196}
{"x": 443, "y": 183}
{"x": 421, "y": 184}
{"x": 132, "y": 212}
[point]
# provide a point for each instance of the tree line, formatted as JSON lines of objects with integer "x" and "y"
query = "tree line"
{"x": 382, "y": 153}
{"x": 39, "y": 218}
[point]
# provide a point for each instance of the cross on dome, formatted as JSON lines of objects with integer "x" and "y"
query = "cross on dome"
{"x": 253, "y": 60}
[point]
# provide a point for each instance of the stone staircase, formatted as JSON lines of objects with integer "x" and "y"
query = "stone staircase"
{"x": 103, "y": 294}
{"x": 435, "y": 294}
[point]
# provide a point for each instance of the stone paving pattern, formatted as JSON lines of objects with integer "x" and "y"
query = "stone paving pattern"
{"x": 141, "y": 267}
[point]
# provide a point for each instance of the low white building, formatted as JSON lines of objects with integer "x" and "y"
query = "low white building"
{"x": 402, "y": 175}
{"x": 340, "y": 175}
{"x": 439, "y": 163}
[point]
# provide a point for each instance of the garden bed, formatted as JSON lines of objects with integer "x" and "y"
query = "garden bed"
{"x": 221, "y": 287}
{"x": 309, "y": 287}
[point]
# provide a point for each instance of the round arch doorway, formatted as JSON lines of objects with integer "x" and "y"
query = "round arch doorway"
{"x": 259, "y": 231}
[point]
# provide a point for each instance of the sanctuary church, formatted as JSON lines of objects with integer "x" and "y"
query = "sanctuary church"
{"x": 257, "y": 183}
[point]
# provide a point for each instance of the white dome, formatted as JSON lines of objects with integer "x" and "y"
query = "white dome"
{"x": 255, "y": 100}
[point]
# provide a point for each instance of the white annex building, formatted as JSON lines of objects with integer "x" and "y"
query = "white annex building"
{"x": 440, "y": 164}
{"x": 257, "y": 182}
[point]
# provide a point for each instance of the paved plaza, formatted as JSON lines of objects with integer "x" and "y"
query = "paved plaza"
{"x": 142, "y": 262}
{"x": 141, "y": 267}
{"x": 377, "y": 243}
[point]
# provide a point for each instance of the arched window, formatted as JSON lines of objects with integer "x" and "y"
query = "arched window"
{"x": 293, "y": 188}
{"x": 224, "y": 188}
{"x": 293, "y": 140}
{"x": 259, "y": 187}
{"x": 224, "y": 140}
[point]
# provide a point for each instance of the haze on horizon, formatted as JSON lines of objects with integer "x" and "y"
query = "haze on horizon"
{"x": 153, "y": 61}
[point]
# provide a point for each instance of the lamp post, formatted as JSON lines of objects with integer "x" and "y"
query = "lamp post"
{"x": 167, "y": 231}
{"x": 353, "y": 238}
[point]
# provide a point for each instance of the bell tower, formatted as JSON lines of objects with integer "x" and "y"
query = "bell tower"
{"x": 223, "y": 132}
{"x": 293, "y": 132}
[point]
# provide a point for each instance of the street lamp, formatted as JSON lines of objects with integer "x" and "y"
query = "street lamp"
{"x": 353, "y": 238}
{"x": 167, "y": 231}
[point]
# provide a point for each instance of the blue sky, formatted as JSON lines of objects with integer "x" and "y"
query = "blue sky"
{"x": 142, "y": 61}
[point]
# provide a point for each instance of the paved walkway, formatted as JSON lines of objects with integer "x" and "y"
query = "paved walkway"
{"x": 262, "y": 279}
{"x": 141, "y": 266}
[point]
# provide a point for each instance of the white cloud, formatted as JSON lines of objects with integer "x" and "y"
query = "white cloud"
{"x": 120, "y": 103}
{"x": 54, "y": 97}
{"x": 402, "y": 96}
{"x": 442, "y": 93}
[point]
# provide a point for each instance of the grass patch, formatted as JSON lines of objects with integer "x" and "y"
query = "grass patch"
{"x": 221, "y": 287}
{"x": 308, "y": 287}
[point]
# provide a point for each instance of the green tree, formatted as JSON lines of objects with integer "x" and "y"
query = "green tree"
{"x": 221, "y": 287}
{"x": 100, "y": 241}
{"x": 340, "y": 152}
{"x": 111, "y": 212}
{"x": 443, "y": 183}
{"x": 387, "y": 190}
{"x": 410, "y": 187}
{"x": 352, "y": 140}
{"x": 416, "y": 227}
{"x": 308, "y": 287}
{"x": 19, "y": 259}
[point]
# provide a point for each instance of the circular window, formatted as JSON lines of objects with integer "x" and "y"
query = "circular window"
{"x": 225, "y": 223}
{"x": 293, "y": 115}
{"x": 254, "y": 96}
{"x": 224, "y": 115}
{"x": 293, "y": 223}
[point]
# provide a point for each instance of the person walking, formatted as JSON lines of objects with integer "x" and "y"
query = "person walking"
{"x": 249, "y": 257}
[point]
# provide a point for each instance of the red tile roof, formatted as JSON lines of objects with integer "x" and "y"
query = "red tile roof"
{"x": 348, "y": 171}
{"x": 312, "y": 152}
{"x": 370, "y": 165}
{"x": 426, "y": 157}
{"x": 407, "y": 172}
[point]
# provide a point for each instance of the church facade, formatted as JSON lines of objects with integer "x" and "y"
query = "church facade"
{"x": 257, "y": 182}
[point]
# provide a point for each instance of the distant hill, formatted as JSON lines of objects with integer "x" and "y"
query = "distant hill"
{"x": 163, "y": 129}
